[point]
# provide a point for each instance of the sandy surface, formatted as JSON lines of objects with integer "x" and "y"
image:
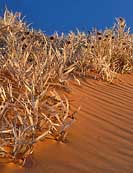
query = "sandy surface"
{"x": 101, "y": 139}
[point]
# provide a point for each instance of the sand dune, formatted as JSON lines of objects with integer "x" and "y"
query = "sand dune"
{"x": 101, "y": 139}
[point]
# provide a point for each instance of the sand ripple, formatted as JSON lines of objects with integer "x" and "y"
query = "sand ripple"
{"x": 101, "y": 140}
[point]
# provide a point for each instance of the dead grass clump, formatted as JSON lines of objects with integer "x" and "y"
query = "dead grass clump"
{"x": 30, "y": 108}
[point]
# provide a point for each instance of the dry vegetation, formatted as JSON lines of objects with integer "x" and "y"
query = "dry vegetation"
{"x": 32, "y": 64}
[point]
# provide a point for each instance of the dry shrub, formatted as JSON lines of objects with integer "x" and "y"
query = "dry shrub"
{"x": 30, "y": 107}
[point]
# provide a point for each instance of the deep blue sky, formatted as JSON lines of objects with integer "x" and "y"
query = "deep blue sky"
{"x": 67, "y": 15}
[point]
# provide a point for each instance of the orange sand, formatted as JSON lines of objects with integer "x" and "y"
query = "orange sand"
{"x": 101, "y": 139}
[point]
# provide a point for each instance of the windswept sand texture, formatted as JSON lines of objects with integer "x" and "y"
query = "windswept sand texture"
{"x": 101, "y": 140}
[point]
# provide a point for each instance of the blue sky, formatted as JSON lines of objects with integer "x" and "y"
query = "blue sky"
{"x": 67, "y": 15}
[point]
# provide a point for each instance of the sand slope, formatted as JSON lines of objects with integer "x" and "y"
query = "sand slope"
{"x": 100, "y": 141}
